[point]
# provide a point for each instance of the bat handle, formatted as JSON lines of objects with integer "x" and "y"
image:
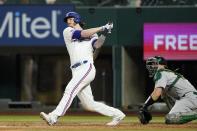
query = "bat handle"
{"x": 109, "y": 31}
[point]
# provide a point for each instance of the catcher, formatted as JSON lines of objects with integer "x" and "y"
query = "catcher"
{"x": 178, "y": 93}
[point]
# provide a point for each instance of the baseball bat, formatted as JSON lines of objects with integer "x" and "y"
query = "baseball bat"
{"x": 109, "y": 31}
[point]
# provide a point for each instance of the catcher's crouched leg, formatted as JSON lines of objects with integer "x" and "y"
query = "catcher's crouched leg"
{"x": 172, "y": 118}
{"x": 180, "y": 118}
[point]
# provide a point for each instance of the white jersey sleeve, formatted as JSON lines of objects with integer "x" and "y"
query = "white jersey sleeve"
{"x": 160, "y": 79}
{"x": 68, "y": 33}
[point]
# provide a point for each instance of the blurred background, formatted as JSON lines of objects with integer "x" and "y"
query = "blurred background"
{"x": 34, "y": 63}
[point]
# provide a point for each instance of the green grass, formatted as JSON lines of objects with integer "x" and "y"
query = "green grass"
{"x": 87, "y": 123}
{"x": 70, "y": 119}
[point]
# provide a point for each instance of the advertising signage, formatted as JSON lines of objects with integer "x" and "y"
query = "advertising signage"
{"x": 32, "y": 25}
{"x": 174, "y": 41}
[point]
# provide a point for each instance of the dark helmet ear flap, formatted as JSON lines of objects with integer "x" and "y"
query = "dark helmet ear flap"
{"x": 161, "y": 60}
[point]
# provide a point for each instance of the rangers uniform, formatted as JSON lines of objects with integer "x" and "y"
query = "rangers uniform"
{"x": 83, "y": 72}
{"x": 80, "y": 50}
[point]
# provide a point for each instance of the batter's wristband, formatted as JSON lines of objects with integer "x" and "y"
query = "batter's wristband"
{"x": 148, "y": 102}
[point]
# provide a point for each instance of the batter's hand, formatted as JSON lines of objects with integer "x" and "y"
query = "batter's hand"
{"x": 144, "y": 116}
{"x": 108, "y": 27}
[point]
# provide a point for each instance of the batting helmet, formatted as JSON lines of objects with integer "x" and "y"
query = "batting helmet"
{"x": 75, "y": 15}
{"x": 152, "y": 64}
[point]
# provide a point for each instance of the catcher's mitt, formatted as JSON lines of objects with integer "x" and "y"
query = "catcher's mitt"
{"x": 144, "y": 116}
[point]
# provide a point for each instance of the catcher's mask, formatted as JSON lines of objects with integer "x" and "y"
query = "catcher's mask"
{"x": 152, "y": 64}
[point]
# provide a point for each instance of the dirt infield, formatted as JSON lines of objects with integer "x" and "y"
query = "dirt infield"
{"x": 41, "y": 126}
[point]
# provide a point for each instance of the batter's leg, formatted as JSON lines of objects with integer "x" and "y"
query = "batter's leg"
{"x": 90, "y": 104}
{"x": 77, "y": 83}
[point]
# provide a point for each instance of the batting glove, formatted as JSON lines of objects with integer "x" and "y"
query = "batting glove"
{"x": 108, "y": 27}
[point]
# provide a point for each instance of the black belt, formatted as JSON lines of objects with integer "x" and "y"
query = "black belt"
{"x": 79, "y": 64}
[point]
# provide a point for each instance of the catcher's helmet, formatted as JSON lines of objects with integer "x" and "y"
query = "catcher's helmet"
{"x": 75, "y": 15}
{"x": 152, "y": 64}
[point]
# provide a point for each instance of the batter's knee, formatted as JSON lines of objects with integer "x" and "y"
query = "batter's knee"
{"x": 89, "y": 107}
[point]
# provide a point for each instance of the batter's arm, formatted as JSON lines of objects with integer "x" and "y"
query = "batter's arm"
{"x": 89, "y": 32}
{"x": 97, "y": 45}
{"x": 100, "y": 41}
{"x": 96, "y": 52}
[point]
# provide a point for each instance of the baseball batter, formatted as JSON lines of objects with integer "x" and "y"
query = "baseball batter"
{"x": 178, "y": 93}
{"x": 81, "y": 45}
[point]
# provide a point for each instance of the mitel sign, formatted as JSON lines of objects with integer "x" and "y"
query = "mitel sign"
{"x": 32, "y": 25}
{"x": 174, "y": 41}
